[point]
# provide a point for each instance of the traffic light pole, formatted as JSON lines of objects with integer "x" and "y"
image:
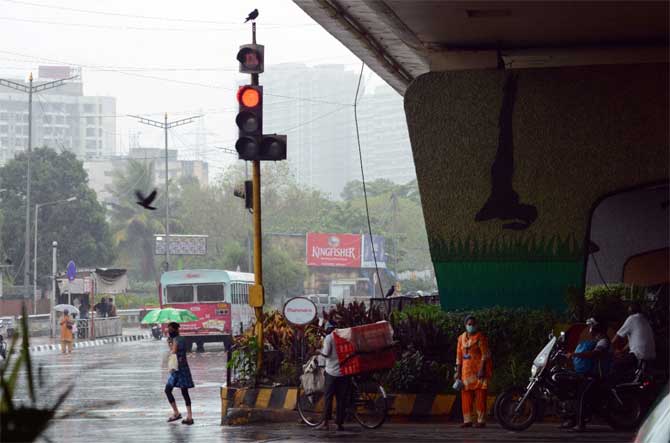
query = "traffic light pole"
{"x": 258, "y": 237}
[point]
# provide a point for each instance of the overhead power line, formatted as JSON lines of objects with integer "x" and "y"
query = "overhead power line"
{"x": 143, "y": 17}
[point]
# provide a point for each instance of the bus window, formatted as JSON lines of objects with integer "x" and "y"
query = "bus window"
{"x": 180, "y": 294}
{"x": 213, "y": 292}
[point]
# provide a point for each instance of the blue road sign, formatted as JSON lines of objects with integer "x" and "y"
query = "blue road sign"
{"x": 71, "y": 270}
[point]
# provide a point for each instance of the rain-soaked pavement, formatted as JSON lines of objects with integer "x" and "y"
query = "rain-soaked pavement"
{"x": 133, "y": 376}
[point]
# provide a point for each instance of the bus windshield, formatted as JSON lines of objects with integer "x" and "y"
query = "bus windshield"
{"x": 210, "y": 293}
{"x": 180, "y": 294}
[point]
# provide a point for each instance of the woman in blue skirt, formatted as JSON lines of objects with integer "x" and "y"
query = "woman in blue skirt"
{"x": 181, "y": 378}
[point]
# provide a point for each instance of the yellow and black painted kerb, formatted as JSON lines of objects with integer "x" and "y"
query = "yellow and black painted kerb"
{"x": 241, "y": 406}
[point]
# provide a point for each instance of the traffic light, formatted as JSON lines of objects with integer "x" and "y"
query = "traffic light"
{"x": 246, "y": 192}
{"x": 250, "y": 121}
{"x": 251, "y": 59}
{"x": 273, "y": 147}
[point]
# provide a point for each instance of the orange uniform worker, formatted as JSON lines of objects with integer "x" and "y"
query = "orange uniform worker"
{"x": 66, "y": 336}
{"x": 474, "y": 369}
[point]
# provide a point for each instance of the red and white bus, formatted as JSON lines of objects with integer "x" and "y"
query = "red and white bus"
{"x": 219, "y": 298}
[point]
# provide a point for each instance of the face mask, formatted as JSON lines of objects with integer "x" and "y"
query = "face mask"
{"x": 471, "y": 329}
{"x": 172, "y": 334}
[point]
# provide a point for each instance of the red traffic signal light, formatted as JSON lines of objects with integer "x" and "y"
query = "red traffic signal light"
{"x": 249, "y": 96}
{"x": 249, "y": 120}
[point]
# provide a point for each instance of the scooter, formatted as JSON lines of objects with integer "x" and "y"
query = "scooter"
{"x": 156, "y": 332}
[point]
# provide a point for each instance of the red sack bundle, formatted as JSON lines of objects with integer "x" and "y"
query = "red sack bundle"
{"x": 371, "y": 345}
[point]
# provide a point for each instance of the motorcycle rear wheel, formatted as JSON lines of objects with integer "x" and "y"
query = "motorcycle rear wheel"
{"x": 626, "y": 416}
{"x": 505, "y": 405}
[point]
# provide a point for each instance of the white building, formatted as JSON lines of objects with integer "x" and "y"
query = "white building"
{"x": 101, "y": 171}
{"x": 63, "y": 118}
{"x": 314, "y": 107}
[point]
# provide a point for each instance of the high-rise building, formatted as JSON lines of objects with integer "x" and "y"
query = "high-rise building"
{"x": 313, "y": 106}
{"x": 63, "y": 118}
{"x": 387, "y": 152}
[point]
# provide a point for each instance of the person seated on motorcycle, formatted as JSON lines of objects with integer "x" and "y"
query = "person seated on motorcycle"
{"x": 600, "y": 357}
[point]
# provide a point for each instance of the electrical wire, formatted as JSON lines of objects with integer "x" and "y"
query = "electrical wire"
{"x": 365, "y": 192}
{"x": 183, "y": 82}
{"x": 600, "y": 274}
{"x": 145, "y": 17}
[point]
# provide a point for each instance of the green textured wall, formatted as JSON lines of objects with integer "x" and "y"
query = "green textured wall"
{"x": 578, "y": 134}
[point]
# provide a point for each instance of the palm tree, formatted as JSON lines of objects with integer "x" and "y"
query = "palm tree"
{"x": 134, "y": 227}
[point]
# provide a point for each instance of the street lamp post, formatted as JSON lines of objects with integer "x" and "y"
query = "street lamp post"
{"x": 37, "y": 210}
{"x": 52, "y": 317}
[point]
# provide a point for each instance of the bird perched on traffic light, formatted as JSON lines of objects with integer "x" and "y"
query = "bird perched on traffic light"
{"x": 252, "y": 15}
{"x": 145, "y": 202}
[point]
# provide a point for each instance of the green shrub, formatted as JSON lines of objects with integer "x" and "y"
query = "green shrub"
{"x": 515, "y": 337}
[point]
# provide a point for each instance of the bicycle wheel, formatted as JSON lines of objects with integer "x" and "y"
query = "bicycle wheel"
{"x": 369, "y": 403}
{"x": 310, "y": 407}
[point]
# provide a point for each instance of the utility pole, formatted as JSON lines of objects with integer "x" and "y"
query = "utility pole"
{"x": 165, "y": 125}
{"x": 54, "y": 270}
{"x": 37, "y": 212}
{"x": 394, "y": 211}
{"x": 30, "y": 90}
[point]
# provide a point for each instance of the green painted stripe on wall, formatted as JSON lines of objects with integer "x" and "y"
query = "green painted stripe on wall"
{"x": 480, "y": 284}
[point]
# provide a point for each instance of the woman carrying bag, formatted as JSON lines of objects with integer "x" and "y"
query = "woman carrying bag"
{"x": 180, "y": 375}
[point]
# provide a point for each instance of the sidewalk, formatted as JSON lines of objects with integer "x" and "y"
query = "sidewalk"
{"x": 38, "y": 344}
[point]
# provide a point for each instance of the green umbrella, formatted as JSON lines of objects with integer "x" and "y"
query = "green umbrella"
{"x": 169, "y": 315}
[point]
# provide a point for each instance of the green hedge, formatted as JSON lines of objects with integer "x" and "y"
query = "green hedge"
{"x": 428, "y": 338}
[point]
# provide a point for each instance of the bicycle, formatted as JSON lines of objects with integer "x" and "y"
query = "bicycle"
{"x": 367, "y": 403}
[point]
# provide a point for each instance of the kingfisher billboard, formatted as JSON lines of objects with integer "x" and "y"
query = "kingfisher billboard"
{"x": 338, "y": 250}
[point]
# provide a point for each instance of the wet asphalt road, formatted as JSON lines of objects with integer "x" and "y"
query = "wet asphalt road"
{"x": 133, "y": 376}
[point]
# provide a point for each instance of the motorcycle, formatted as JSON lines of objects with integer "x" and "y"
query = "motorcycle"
{"x": 554, "y": 385}
{"x": 156, "y": 332}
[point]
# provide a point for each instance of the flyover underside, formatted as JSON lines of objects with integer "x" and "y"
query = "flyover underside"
{"x": 510, "y": 165}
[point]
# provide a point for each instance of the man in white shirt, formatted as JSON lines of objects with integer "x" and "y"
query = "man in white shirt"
{"x": 637, "y": 330}
{"x": 337, "y": 385}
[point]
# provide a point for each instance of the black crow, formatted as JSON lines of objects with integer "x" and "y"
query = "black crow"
{"x": 145, "y": 202}
{"x": 252, "y": 15}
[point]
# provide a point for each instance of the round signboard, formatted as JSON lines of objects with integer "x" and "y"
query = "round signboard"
{"x": 299, "y": 311}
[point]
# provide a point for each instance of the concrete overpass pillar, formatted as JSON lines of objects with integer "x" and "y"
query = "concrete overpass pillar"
{"x": 510, "y": 165}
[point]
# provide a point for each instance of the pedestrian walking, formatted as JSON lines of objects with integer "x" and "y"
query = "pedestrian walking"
{"x": 337, "y": 385}
{"x": 179, "y": 378}
{"x": 473, "y": 369}
{"x": 66, "y": 336}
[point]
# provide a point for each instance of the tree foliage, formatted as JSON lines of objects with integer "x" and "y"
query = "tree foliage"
{"x": 79, "y": 227}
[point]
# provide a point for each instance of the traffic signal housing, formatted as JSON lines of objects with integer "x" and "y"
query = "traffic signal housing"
{"x": 273, "y": 147}
{"x": 245, "y": 192}
{"x": 249, "y": 120}
{"x": 251, "y": 59}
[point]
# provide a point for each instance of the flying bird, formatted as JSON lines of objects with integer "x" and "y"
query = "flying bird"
{"x": 145, "y": 202}
{"x": 252, "y": 15}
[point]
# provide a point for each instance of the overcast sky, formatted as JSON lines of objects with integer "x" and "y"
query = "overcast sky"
{"x": 182, "y": 64}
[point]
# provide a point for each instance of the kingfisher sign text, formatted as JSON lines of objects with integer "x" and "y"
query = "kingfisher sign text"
{"x": 342, "y": 250}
